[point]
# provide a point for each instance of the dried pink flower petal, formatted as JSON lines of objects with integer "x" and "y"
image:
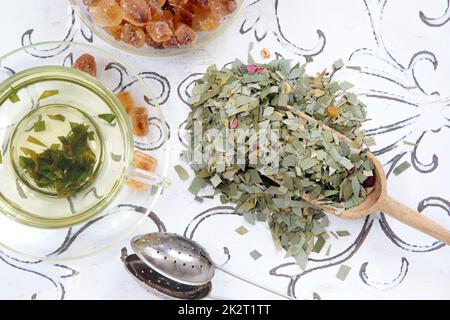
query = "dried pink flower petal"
{"x": 234, "y": 123}
{"x": 254, "y": 69}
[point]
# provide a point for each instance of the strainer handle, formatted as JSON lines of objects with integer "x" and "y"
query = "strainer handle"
{"x": 253, "y": 283}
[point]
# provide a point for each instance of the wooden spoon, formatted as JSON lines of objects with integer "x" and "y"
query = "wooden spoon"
{"x": 378, "y": 199}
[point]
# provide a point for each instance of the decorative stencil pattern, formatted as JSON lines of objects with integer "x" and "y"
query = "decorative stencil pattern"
{"x": 398, "y": 57}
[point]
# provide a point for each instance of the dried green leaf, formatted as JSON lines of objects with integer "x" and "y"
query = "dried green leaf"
{"x": 370, "y": 142}
{"x": 357, "y": 68}
{"x": 13, "y": 97}
{"x": 215, "y": 181}
{"x": 241, "y": 230}
{"x": 57, "y": 117}
{"x": 409, "y": 143}
{"x": 312, "y": 161}
{"x": 249, "y": 217}
{"x": 108, "y": 117}
{"x": 48, "y": 93}
{"x": 39, "y": 126}
{"x": 182, "y": 173}
{"x": 32, "y": 139}
{"x": 328, "y": 250}
{"x": 154, "y": 190}
{"x": 196, "y": 185}
{"x": 301, "y": 258}
{"x": 343, "y": 272}
{"x": 338, "y": 64}
{"x": 401, "y": 167}
{"x": 255, "y": 254}
{"x": 343, "y": 233}
{"x": 320, "y": 242}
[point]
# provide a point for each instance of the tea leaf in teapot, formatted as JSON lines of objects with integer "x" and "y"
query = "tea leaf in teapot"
{"x": 13, "y": 97}
{"x": 48, "y": 93}
{"x": 108, "y": 117}
{"x": 39, "y": 126}
{"x": 57, "y": 117}
{"x": 32, "y": 139}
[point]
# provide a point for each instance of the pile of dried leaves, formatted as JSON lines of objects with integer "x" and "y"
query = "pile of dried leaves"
{"x": 311, "y": 161}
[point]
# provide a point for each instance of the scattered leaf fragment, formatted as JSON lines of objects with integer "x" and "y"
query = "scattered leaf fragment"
{"x": 334, "y": 234}
{"x": 370, "y": 142}
{"x": 255, "y": 254}
{"x": 196, "y": 185}
{"x": 409, "y": 143}
{"x": 343, "y": 233}
{"x": 318, "y": 93}
{"x": 182, "y": 173}
{"x": 241, "y": 230}
{"x": 320, "y": 242}
{"x": 357, "y": 68}
{"x": 198, "y": 199}
{"x": 154, "y": 190}
{"x": 215, "y": 180}
{"x": 301, "y": 258}
{"x": 338, "y": 64}
{"x": 343, "y": 272}
{"x": 13, "y": 97}
{"x": 402, "y": 167}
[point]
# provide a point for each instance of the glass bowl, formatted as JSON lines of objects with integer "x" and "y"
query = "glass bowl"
{"x": 203, "y": 38}
{"x": 39, "y": 223}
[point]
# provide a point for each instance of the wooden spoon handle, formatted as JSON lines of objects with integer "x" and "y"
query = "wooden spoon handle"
{"x": 414, "y": 219}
